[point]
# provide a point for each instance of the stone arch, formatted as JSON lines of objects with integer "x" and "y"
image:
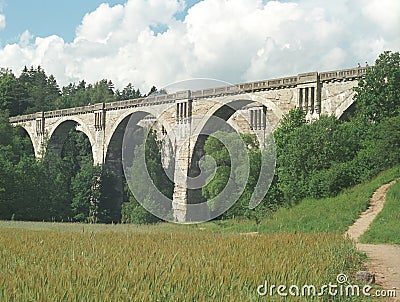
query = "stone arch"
{"x": 35, "y": 148}
{"x": 122, "y": 120}
{"x": 35, "y": 140}
{"x": 236, "y": 103}
{"x": 223, "y": 110}
{"x": 114, "y": 143}
{"x": 345, "y": 105}
{"x": 59, "y": 132}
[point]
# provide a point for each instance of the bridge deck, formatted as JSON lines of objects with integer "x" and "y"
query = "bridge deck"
{"x": 279, "y": 83}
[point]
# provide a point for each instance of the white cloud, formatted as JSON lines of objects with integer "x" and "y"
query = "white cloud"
{"x": 2, "y": 22}
{"x": 235, "y": 41}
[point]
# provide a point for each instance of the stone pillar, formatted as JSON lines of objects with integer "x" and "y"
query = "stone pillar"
{"x": 40, "y": 131}
{"x": 180, "y": 196}
{"x": 306, "y": 99}
{"x": 303, "y": 99}
{"x": 99, "y": 121}
{"x": 312, "y": 100}
{"x": 317, "y": 108}
{"x": 255, "y": 120}
{"x": 251, "y": 119}
{"x": 264, "y": 114}
{"x": 300, "y": 101}
{"x": 185, "y": 113}
{"x": 183, "y": 154}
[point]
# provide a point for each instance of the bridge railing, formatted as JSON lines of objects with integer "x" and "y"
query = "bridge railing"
{"x": 343, "y": 74}
{"x": 197, "y": 94}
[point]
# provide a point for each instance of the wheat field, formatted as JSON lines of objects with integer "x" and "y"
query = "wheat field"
{"x": 192, "y": 265}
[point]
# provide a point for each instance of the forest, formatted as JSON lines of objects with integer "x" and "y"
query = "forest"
{"x": 318, "y": 159}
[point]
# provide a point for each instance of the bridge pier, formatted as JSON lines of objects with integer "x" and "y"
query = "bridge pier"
{"x": 183, "y": 155}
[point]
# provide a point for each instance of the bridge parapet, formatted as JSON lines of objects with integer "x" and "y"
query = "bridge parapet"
{"x": 272, "y": 84}
{"x": 346, "y": 74}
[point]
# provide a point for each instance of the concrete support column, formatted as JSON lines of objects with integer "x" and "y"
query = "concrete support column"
{"x": 98, "y": 150}
{"x": 312, "y": 100}
{"x": 182, "y": 163}
{"x": 183, "y": 156}
{"x": 38, "y": 135}
{"x": 251, "y": 119}
{"x": 301, "y": 98}
{"x": 255, "y": 120}
{"x": 306, "y": 99}
{"x": 185, "y": 111}
{"x": 317, "y": 108}
{"x": 264, "y": 114}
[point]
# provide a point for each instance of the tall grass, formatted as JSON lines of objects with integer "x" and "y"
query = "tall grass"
{"x": 386, "y": 226}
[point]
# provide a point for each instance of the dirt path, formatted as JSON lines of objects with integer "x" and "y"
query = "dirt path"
{"x": 385, "y": 259}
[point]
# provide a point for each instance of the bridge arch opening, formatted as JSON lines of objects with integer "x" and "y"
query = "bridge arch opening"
{"x": 348, "y": 113}
{"x": 25, "y": 142}
{"x": 69, "y": 151}
{"x": 61, "y": 134}
{"x": 121, "y": 153}
{"x": 240, "y": 115}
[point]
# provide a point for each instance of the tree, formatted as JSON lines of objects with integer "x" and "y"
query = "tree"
{"x": 12, "y": 93}
{"x": 378, "y": 95}
{"x": 42, "y": 91}
{"x": 101, "y": 92}
{"x": 132, "y": 211}
{"x": 127, "y": 93}
{"x": 305, "y": 154}
{"x": 232, "y": 165}
{"x": 81, "y": 185}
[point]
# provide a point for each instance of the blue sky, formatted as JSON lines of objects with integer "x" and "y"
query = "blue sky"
{"x": 157, "y": 42}
{"x": 49, "y": 17}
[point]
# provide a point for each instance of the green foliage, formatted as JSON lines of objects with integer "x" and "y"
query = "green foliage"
{"x": 378, "y": 95}
{"x": 311, "y": 157}
{"x": 81, "y": 185}
{"x": 386, "y": 227}
{"x": 41, "y": 90}
{"x": 35, "y": 91}
{"x": 127, "y": 93}
{"x": 384, "y": 143}
{"x": 133, "y": 212}
{"x": 219, "y": 152}
{"x": 13, "y": 93}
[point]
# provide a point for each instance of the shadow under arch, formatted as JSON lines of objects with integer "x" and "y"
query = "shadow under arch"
{"x": 350, "y": 112}
{"x": 117, "y": 159}
{"x": 26, "y": 142}
{"x": 224, "y": 111}
{"x": 59, "y": 134}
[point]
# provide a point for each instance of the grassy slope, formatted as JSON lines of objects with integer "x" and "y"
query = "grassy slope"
{"x": 320, "y": 215}
{"x": 386, "y": 226}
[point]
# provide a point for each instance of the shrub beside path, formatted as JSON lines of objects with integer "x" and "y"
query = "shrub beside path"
{"x": 384, "y": 259}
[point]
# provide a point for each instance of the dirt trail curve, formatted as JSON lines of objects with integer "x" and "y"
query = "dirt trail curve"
{"x": 385, "y": 259}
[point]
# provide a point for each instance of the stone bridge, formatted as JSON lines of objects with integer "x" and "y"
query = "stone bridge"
{"x": 245, "y": 106}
